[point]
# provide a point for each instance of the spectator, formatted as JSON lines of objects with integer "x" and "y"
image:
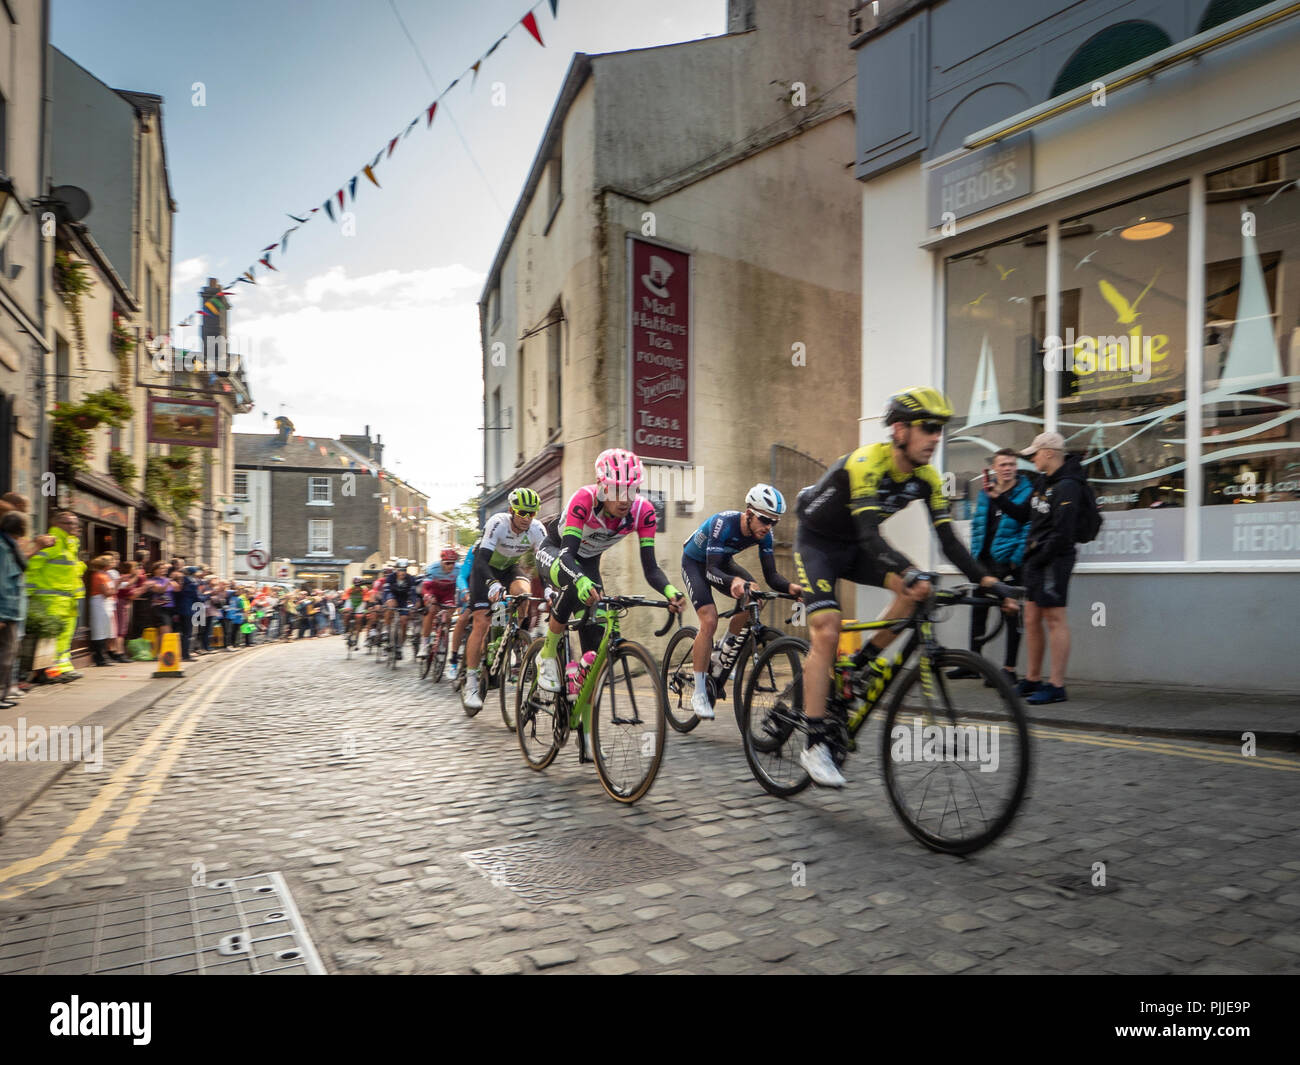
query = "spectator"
{"x": 186, "y": 602}
{"x": 1052, "y": 512}
{"x": 102, "y": 613}
{"x": 158, "y": 593}
{"x": 127, "y": 582}
{"x": 13, "y": 600}
{"x": 997, "y": 543}
{"x": 54, "y": 585}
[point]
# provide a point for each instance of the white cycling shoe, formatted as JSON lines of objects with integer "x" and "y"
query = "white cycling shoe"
{"x": 473, "y": 700}
{"x": 452, "y": 669}
{"x": 548, "y": 674}
{"x": 701, "y": 707}
{"x": 821, "y": 767}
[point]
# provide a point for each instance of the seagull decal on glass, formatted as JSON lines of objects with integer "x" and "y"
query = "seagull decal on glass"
{"x": 1086, "y": 258}
{"x": 976, "y": 301}
{"x": 1110, "y": 232}
{"x": 1004, "y": 274}
{"x": 1017, "y": 299}
{"x": 1125, "y": 313}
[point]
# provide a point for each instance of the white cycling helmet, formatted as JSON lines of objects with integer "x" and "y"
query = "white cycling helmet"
{"x": 765, "y": 498}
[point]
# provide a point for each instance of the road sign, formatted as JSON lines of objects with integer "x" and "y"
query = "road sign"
{"x": 258, "y": 559}
{"x": 281, "y": 573}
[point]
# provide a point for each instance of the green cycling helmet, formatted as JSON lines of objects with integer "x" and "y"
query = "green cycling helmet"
{"x": 525, "y": 501}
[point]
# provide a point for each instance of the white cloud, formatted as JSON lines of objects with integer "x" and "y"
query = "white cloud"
{"x": 189, "y": 270}
{"x": 397, "y": 350}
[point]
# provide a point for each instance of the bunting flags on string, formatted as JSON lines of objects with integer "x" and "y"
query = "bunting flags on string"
{"x": 528, "y": 22}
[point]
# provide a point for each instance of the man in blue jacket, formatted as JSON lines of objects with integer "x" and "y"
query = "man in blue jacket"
{"x": 997, "y": 542}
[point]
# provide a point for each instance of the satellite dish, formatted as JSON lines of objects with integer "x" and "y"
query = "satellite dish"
{"x": 73, "y": 202}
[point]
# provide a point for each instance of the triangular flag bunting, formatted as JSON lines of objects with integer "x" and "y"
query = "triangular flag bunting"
{"x": 410, "y": 126}
{"x": 313, "y": 210}
{"x": 352, "y": 187}
{"x": 300, "y": 221}
{"x": 529, "y": 22}
{"x": 267, "y": 263}
{"x": 494, "y": 47}
{"x": 475, "y": 69}
{"x": 554, "y": 8}
{"x": 329, "y": 210}
{"x": 271, "y": 247}
{"x": 375, "y": 161}
{"x": 371, "y": 175}
{"x": 340, "y": 195}
{"x": 429, "y": 114}
{"x": 391, "y": 145}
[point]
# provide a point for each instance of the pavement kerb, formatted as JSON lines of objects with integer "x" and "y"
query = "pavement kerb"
{"x": 111, "y": 718}
{"x": 1264, "y": 739}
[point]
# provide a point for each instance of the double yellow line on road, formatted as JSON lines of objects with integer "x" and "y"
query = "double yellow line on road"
{"x": 1224, "y": 755}
{"x": 119, "y": 783}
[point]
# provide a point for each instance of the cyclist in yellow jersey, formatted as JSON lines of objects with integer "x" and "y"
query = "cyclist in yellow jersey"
{"x": 839, "y": 537}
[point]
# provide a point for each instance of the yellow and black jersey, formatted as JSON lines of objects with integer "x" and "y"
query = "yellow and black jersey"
{"x": 864, "y": 488}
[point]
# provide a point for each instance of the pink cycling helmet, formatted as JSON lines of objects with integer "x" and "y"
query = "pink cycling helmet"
{"x": 618, "y": 472}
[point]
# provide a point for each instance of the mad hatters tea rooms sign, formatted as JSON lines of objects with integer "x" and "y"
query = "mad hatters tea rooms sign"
{"x": 659, "y": 351}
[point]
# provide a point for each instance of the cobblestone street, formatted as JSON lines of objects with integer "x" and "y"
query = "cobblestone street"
{"x": 367, "y": 790}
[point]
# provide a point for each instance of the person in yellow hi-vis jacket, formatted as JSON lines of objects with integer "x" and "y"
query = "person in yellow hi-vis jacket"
{"x": 55, "y": 587}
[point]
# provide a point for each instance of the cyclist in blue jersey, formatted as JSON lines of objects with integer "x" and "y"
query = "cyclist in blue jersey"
{"x": 462, "y": 601}
{"x": 709, "y": 561}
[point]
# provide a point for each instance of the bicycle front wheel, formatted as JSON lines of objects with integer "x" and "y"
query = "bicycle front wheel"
{"x": 771, "y": 718}
{"x": 537, "y": 715}
{"x": 627, "y": 722}
{"x": 440, "y": 651}
{"x": 955, "y": 754}
{"x": 679, "y": 679}
{"x": 512, "y": 668}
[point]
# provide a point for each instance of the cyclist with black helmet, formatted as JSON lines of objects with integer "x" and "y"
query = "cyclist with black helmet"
{"x": 507, "y": 538}
{"x": 709, "y": 561}
{"x": 839, "y": 537}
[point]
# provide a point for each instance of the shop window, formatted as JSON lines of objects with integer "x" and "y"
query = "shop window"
{"x": 1250, "y": 406}
{"x": 1123, "y": 375}
{"x": 1110, "y": 50}
{"x": 1221, "y": 11}
{"x": 993, "y": 356}
{"x": 320, "y": 537}
{"x": 318, "y": 491}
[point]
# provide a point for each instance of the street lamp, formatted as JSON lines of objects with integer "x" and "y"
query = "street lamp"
{"x": 11, "y": 209}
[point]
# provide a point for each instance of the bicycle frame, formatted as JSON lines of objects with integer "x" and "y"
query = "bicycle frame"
{"x": 580, "y": 707}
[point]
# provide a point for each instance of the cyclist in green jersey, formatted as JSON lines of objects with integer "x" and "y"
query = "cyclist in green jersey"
{"x": 839, "y": 536}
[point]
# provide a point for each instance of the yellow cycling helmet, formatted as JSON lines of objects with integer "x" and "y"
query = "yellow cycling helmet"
{"x": 918, "y": 404}
{"x": 525, "y": 501}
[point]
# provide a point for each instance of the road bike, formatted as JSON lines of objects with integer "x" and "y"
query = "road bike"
{"x": 679, "y": 670}
{"x": 350, "y": 639}
{"x": 435, "y": 661}
{"x": 956, "y": 755}
{"x": 620, "y": 705}
{"x": 504, "y": 648}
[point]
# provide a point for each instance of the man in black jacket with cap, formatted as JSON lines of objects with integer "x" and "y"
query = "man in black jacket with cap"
{"x": 1052, "y": 512}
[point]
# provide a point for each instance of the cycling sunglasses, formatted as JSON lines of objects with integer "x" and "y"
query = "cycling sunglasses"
{"x": 932, "y": 427}
{"x": 769, "y": 522}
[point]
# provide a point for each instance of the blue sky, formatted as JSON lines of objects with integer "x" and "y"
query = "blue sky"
{"x": 380, "y": 327}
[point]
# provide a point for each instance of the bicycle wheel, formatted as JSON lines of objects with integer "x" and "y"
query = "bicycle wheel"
{"x": 427, "y": 663}
{"x": 955, "y": 755}
{"x": 537, "y": 718}
{"x": 512, "y": 664}
{"x": 627, "y": 722}
{"x": 394, "y": 644}
{"x": 678, "y": 679}
{"x": 440, "y": 651}
{"x": 748, "y": 656}
{"x": 771, "y": 718}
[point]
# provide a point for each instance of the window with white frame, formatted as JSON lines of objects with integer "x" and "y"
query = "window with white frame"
{"x": 241, "y": 486}
{"x": 241, "y": 541}
{"x": 318, "y": 491}
{"x": 320, "y": 537}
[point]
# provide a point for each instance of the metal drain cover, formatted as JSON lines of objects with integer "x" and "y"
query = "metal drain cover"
{"x": 244, "y": 925}
{"x": 576, "y": 863}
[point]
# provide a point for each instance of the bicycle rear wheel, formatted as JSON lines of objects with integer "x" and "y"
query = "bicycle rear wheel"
{"x": 771, "y": 718}
{"x": 537, "y": 717}
{"x": 748, "y": 657}
{"x": 627, "y": 722}
{"x": 679, "y": 679}
{"x": 955, "y": 754}
{"x": 512, "y": 666}
{"x": 440, "y": 651}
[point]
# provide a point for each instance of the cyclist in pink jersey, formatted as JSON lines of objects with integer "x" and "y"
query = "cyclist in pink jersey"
{"x": 596, "y": 517}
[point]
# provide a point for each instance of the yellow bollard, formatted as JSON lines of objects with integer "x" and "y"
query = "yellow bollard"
{"x": 151, "y": 634}
{"x": 850, "y": 642}
{"x": 169, "y": 661}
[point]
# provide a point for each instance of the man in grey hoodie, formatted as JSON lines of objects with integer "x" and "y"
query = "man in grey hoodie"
{"x": 1052, "y": 512}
